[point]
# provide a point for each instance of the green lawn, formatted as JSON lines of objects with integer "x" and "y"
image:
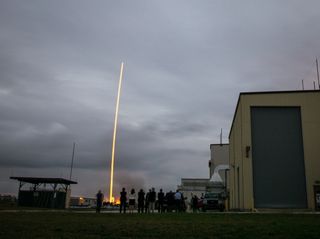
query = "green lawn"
{"x": 177, "y": 226}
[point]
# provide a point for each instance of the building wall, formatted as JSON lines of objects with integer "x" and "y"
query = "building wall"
{"x": 240, "y": 175}
{"x": 193, "y": 186}
{"x": 82, "y": 201}
{"x": 236, "y": 164}
{"x": 68, "y": 195}
{"x": 219, "y": 155}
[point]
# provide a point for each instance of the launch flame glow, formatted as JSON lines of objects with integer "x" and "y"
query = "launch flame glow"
{"x": 111, "y": 198}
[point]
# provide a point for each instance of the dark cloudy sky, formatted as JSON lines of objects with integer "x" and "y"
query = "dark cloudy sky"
{"x": 185, "y": 64}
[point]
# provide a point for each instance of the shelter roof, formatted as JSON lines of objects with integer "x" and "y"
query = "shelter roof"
{"x": 38, "y": 180}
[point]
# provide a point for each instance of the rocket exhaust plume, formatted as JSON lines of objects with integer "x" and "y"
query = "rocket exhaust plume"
{"x": 111, "y": 198}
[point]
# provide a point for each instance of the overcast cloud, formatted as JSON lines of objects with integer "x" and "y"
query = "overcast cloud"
{"x": 185, "y": 64}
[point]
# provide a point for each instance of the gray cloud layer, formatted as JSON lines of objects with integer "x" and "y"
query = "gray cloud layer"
{"x": 185, "y": 63}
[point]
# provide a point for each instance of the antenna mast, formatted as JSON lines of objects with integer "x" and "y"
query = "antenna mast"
{"x": 71, "y": 167}
{"x": 318, "y": 72}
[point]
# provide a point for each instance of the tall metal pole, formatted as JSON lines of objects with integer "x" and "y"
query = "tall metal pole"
{"x": 71, "y": 167}
{"x": 318, "y": 73}
{"x": 111, "y": 199}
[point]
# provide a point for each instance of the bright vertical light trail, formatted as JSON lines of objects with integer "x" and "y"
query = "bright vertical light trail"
{"x": 111, "y": 199}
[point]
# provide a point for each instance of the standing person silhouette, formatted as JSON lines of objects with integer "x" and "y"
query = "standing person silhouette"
{"x": 99, "y": 201}
{"x": 178, "y": 200}
{"x": 132, "y": 200}
{"x": 152, "y": 200}
{"x": 147, "y": 202}
{"x": 160, "y": 201}
{"x": 140, "y": 201}
{"x": 195, "y": 203}
{"x": 123, "y": 200}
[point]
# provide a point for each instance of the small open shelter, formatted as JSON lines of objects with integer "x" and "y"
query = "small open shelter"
{"x": 44, "y": 192}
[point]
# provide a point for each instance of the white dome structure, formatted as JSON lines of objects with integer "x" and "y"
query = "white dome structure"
{"x": 216, "y": 176}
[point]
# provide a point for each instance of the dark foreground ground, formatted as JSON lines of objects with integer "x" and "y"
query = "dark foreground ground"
{"x": 47, "y": 224}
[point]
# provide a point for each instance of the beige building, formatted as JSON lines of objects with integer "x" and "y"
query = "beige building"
{"x": 275, "y": 151}
{"x": 219, "y": 155}
{"x": 193, "y": 186}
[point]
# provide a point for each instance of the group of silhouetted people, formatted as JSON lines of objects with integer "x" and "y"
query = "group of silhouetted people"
{"x": 147, "y": 202}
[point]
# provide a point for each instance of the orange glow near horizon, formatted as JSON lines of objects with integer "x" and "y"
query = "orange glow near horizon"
{"x": 111, "y": 198}
{"x": 115, "y": 201}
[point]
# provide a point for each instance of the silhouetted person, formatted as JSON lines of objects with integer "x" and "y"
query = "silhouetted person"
{"x": 183, "y": 206}
{"x": 202, "y": 196}
{"x": 152, "y": 200}
{"x": 147, "y": 202}
{"x": 99, "y": 201}
{"x": 194, "y": 203}
{"x": 170, "y": 201}
{"x": 178, "y": 199}
{"x": 160, "y": 200}
{"x": 123, "y": 200}
{"x": 132, "y": 200}
{"x": 141, "y": 201}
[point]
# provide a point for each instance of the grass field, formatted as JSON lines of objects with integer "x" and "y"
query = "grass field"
{"x": 178, "y": 226}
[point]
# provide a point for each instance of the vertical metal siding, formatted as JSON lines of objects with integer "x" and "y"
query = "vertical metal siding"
{"x": 277, "y": 158}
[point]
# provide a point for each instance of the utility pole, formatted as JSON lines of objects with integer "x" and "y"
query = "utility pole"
{"x": 318, "y": 73}
{"x": 74, "y": 145}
